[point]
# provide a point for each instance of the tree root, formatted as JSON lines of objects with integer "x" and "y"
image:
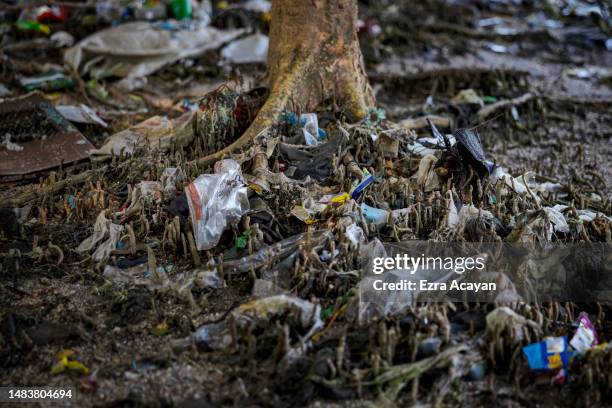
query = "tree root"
{"x": 491, "y": 109}
{"x": 52, "y": 188}
{"x": 275, "y": 104}
{"x": 394, "y": 378}
{"x": 314, "y": 56}
{"x": 290, "y": 88}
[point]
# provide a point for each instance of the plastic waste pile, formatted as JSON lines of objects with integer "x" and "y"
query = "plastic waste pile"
{"x": 274, "y": 253}
{"x": 303, "y": 199}
{"x": 302, "y": 216}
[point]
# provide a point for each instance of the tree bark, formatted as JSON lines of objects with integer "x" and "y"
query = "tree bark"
{"x": 314, "y": 56}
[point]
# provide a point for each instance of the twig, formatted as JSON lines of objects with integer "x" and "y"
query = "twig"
{"x": 50, "y": 189}
{"x": 421, "y": 122}
{"x": 404, "y": 372}
{"x": 490, "y": 109}
{"x": 336, "y": 314}
{"x": 80, "y": 84}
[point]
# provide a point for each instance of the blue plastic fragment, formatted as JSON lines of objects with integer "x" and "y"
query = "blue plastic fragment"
{"x": 550, "y": 354}
{"x": 477, "y": 372}
{"x": 72, "y": 202}
{"x": 365, "y": 181}
{"x": 292, "y": 119}
{"x": 373, "y": 214}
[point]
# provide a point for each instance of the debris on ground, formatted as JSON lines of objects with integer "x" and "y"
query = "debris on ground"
{"x": 36, "y": 137}
{"x": 216, "y": 201}
{"x": 151, "y": 46}
{"x": 137, "y": 274}
{"x": 80, "y": 114}
{"x": 249, "y": 50}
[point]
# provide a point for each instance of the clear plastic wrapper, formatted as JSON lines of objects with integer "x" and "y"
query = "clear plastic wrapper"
{"x": 216, "y": 200}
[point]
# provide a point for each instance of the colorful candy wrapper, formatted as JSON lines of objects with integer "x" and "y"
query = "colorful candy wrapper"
{"x": 550, "y": 354}
{"x": 585, "y": 336}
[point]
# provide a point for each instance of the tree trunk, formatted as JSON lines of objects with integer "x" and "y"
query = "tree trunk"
{"x": 314, "y": 56}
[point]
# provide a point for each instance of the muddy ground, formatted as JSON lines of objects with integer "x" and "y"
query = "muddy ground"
{"x": 550, "y": 59}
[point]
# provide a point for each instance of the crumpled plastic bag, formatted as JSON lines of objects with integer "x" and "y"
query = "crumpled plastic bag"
{"x": 100, "y": 230}
{"x": 557, "y": 221}
{"x": 141, "y": 48}
{"x": 169, "y": 178}
{"x": 473, "y": 222}
{"x": 355, "y": 234}
{"x": 376, "y": 303}
{"x": 157, "y": 132}
{"x": 150, "y": 190}
{"x": 103, "y": 251}
{"x": 429, "y": 145}
{"x": 144, "y": 192}
{"x": 217, "y": 335}
{"x": 135, "y": 274}
{"x": 103, "y": 228}
{"x": 259, "y": 6}
{"x": 503, "y": 318}
{"x": 310, "y": 130}
{"x": 539, "y": 226}
{"x": 80, "y": 114}
{"x": 426, "y": 176}
{"x": 518, "y": 184}
{"x": 314, "y": 161}
{"x": 180, "y": 284}
{"x": 215, "y": 200}
{"x": 248, "y": 50}
{"x": 468, "y": 96}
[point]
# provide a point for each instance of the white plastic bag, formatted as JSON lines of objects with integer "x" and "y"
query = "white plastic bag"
{"x": 80, "y": 114}
{"x": 169, "y": 178}
{"x": 103, "y": 228}
{"x": 248, "y": 50}
{"x": 215, "y": 200}
{"x": 310, "y": 128}
{"x": 140, "y": 48}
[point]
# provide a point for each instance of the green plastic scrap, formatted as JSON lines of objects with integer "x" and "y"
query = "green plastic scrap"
{"x": 243, "y": 240}
{"x": 374, "y": 116}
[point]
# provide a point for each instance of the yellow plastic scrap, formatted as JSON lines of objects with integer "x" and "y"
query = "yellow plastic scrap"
{"x": 160, "y": 330}
{"x": 263, "y": 307}
{"x": 72, "y": 365}
{"x": 275, "y": 305}
{"x": 309, "y": 215}
{"x": 256, "y": 188}
{"x": 303, "y": 215}
{"x": 53, "y": 95}
{"x": 554, "y": 361}
{"x": 599, "y": 347}
{"x": 340, "y": 198}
